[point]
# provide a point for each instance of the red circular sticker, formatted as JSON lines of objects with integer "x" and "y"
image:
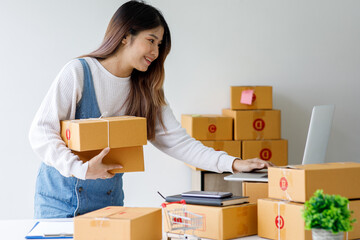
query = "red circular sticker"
{"x": 253, "y": 97}
{"x": 279, "y": 222}
{"x": 259, "y": 124}
{"x": 265, "y": 154}
{"x": 68, "y": 134}
{"x": 283, "y": 183}
{"x": 212, "y": 128}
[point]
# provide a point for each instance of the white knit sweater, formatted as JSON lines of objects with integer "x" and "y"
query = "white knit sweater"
{"x": 111, "y": 92}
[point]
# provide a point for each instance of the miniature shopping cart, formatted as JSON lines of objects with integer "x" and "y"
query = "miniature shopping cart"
{"x": 181, "y": 219}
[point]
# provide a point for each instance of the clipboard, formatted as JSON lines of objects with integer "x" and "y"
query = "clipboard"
{"x": 51, "y": 230}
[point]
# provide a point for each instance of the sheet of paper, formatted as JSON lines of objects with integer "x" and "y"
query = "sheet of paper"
{"x": 48, "y": 229}
{"x": 247, "y": 97}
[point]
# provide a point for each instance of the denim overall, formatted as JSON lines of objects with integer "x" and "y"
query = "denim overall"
{"x": 57, "y": 196}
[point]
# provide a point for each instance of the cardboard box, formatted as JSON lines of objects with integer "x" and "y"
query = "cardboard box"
{"x": 221, "y": 222}
{"x": 262, "y": 97}
{"x": 275, "y": 151}
{"x": 131, "y": 158}
{"x": 255, "y": 190}
{"x": 298, "y": 183}
{"x": 255, "y": 124}
{"x": 93, "y": 134}
{"x": 208, "y": 127}
{"x": 114, "y": 223}
{"x": 283, "y": 220}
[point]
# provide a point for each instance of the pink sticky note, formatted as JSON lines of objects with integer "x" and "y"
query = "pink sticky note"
{"x": 247, "y": 97}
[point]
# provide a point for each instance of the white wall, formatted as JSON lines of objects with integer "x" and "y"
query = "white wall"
{"x": 307, "y": 50}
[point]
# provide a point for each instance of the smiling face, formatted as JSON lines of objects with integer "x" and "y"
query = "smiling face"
{"x": 142, "y": 49}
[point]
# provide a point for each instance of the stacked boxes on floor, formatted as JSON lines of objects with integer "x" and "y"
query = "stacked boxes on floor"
{"x": 280, "y": 215}
{"x": 125, "y": 136}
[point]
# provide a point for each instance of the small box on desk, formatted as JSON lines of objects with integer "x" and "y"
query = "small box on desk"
{"x": 275, "y": 151}
{"x": 261, "y": 98}
{"x": 94, "y": 134}
{"x": 113, "y": 223}
{"x": 283, "y": 220}
{"x": 255, "y": 124}
{"x": 299, "y": 182}
{"x": 208, "y": 126}
{"x": 221, "y": 223}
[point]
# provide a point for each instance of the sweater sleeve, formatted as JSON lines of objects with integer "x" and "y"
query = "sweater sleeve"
{"x": 175, "y": 142}
{"x": 58, "y": 104}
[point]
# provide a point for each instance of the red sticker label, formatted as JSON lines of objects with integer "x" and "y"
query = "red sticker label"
{"x": 253, "y": 97}
{"x": 279, "y": 222}
{"x": 283, "y": 183}
{"x": 265, "y": 154}
{"x": 259, "y": 124}
{"x": 212, "y": 128}
{"x": 68, "y": 134}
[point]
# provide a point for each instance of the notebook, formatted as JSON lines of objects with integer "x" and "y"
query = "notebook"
{"x": 315, "y": 147}
{"x": 51, "y": 230}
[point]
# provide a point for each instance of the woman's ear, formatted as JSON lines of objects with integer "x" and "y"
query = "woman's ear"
{"x": 125, "y": 39}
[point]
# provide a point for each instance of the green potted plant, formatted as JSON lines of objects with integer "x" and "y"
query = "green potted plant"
{"x": 327, "y": 216}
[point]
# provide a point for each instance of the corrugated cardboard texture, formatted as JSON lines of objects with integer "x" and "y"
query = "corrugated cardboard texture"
{"x": 208, "y": 127}
{"x": 291, "y": 225}
{"x": 114, "y": 223}
{"x": 92, "y": 134}
{"x": 131, "y": 158}
{"x": 255, "y": 124}
{"x": 255, "y": 190}
{"x": 223, "y": 222}
{"x": 275, "y": 151}
{"x": 262, "y": 97}
{"x": 301, "y": 181}
{"x": 280, "y": 220}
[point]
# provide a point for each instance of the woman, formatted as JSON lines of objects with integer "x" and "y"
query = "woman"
{"x": 124, "y": 76}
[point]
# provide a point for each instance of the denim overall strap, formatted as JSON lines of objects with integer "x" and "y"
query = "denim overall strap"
{"x": 57, "y": 196}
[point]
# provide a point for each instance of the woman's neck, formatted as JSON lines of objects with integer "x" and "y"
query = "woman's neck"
{"x": 116, "y": 66}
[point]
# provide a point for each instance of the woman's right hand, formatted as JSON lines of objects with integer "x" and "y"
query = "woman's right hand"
{"x": 97, "y": 169}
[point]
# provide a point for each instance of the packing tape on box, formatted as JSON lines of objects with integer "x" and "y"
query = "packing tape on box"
{"x": 280, "y": 220}
{"x": 258, "y": 124}
{"x": 284, "y": 183}
{"x": 100, "y": 222}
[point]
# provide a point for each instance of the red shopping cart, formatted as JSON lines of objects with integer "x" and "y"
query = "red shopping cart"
{"x": 179, "y": 218}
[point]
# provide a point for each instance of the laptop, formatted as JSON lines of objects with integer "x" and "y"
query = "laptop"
{"x": 315, "y": 147}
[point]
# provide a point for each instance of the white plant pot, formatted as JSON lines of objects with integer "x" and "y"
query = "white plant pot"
{"x": 321, "y": 234}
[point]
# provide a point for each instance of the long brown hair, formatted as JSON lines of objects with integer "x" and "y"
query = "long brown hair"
{"x": 146, "y": 95}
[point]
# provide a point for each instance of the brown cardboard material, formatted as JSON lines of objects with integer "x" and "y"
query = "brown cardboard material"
{"x": 233, "y": 148}
{"x": 114, "y": 132}
{"x": 262, "y": 97}
{"x": 299, "y": 182}
{"x": 275, "y": 151}
{"x": 208, "y": 127}
{"x": 283, "y": 220}
{"x": 255, "y": 190}
{"x": 131, "y": 158}
{"x": 114, "y": 223}
{"x": 255, "y": 124}
{"x": 222, "y": 222}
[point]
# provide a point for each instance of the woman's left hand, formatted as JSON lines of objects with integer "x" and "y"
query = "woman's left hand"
{"x": 250, "y": 165}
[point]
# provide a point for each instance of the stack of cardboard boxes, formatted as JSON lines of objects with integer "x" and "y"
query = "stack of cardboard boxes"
{"x": 280, "y": 215}
{"x": 125, "y": 135}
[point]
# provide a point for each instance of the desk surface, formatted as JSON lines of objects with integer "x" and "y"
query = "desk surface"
{"x": 17, "y": 229}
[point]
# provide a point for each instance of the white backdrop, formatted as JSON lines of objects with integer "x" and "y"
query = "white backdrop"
{"x": 307, "y": 50}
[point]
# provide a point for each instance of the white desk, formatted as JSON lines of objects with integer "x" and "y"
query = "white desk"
{"x": 17, "y": 229}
